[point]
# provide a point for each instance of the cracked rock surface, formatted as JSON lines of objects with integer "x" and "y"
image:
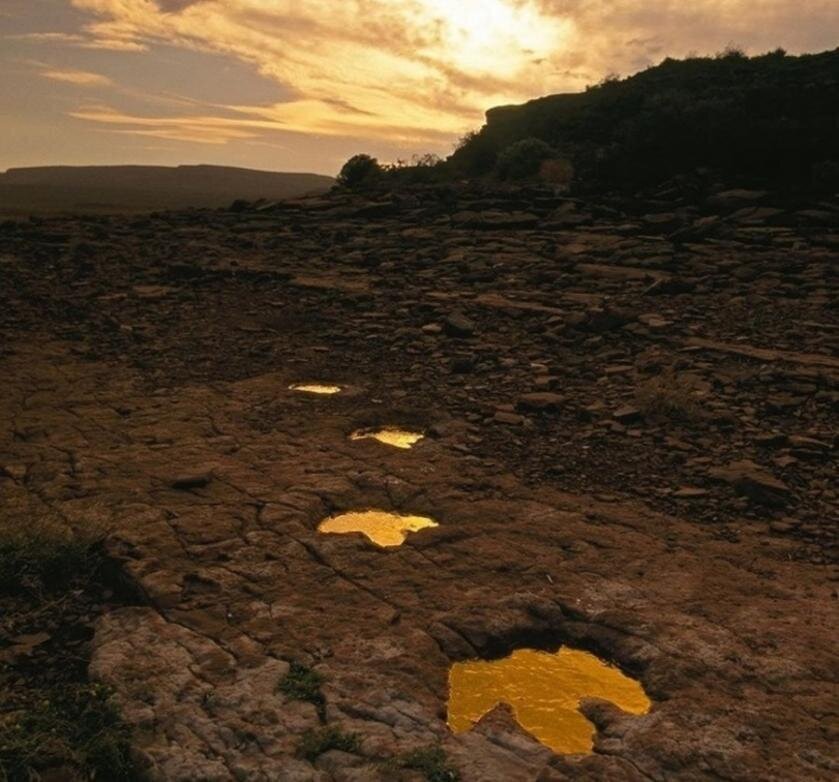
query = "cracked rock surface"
{"x": 146, "y": 366}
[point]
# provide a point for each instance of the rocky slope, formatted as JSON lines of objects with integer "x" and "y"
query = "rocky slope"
{"x": 631, "y": 408}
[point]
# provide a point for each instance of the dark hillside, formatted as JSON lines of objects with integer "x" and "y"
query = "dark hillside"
{"x": 767, "y": 118}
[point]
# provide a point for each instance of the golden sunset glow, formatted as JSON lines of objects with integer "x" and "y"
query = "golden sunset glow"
{"x": 382, "y": 528}
{"x": 316, "y": 388}
{"x": 398, "y": 438}
{"x": 411, "y": 72}
{"x": 492, "y": 36}
{"x": 544, "y": 691}
{"x": 259, "y": 82}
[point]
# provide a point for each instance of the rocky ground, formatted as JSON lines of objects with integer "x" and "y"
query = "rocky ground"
{"x": 631, "y": 406}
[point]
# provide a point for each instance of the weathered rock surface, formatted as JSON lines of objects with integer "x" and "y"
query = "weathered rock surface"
{"x": 636, "y": 535}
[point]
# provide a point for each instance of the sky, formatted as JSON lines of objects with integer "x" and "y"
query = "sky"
{"x": 301, "y": 85}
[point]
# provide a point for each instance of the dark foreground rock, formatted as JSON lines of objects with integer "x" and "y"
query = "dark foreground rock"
{"x": 641, "y": 469}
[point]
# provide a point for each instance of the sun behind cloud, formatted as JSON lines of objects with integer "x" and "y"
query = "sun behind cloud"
{"x": 409, "y": 71}
{"x": 493, "y": 36}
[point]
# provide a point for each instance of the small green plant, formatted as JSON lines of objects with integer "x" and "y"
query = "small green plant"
{"x": 71, "y": 727}
{"x": 301, "y": 683}
{"x": 315, "y": 742}
{"x": 358, "y": 171}
{"x": 431, "y": 762}
{"x": 41, "y": 554}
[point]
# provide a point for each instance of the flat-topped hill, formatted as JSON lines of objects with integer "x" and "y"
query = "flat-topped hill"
{"x": 773, "y": 117}
{"x": 144, "y": 188}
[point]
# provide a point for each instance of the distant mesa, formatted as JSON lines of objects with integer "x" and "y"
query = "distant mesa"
{"x": 115, "y": 189}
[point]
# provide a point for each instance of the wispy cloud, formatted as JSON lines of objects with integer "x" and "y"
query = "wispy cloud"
{"x": 410, "y": 71}
{"x": 47, "y": 37}
{"x": 80, "y": 78}
{"x": 198, "y": 129}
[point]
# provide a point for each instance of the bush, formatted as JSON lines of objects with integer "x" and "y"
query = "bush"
{"x": 76, "y": 726}
{"x": 670, "y": 396}
{"x": 826, "y": 175}
{"x": 419, "y": 170}
{"x": 474, "y": 155}
{"x": 358, "y": 171}
{"x": 41, "y": 554}
{"x": 557, "y": 171}
{"x": 54, "y": 724}
{"x": 523, "y": 158}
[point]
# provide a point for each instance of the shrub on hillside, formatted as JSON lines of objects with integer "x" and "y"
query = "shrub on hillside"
{"x": 358, "y": 171}
{"x": 557, "y": 171}
{"x": 523, "y": 158}
{"x": 474, "y": 154}
{"x": 419, "y": 170}
{"x": 826, "y": 175}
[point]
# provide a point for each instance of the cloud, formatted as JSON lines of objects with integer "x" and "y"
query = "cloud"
{"x": 246, "y": 122}
{"x": 421, "y": 72}
{"x": 50, "y": 37}
{"x": 626, "y": 35}
{"x": 114, "y": 45}
{"x": 405, "y": 71}
{"x": 197, "y": 129}
{"x": 174, "y": 6}
{"x": 80, "y": 78}
{"x": 83, "y": 41}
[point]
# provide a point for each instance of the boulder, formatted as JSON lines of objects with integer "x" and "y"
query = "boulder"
{"x": 541, "y": 401}
{"x": 752, "y": 481}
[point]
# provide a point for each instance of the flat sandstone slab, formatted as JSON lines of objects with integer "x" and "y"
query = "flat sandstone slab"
{"x": 732, "y": 646}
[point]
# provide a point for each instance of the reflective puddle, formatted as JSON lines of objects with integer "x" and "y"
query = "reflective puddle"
{"x": 384, "y": 529}
{"x": 398, "y": 438}
{"x": 544, "y": 690}
{"x": 315, "y": 388}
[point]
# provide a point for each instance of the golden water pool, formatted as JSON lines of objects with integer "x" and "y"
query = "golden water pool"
{"x": 315, "y": 388}
{"x": 383, "y": 528}
{"x": 544, "y": 690}
{"x": 398, "y": 438}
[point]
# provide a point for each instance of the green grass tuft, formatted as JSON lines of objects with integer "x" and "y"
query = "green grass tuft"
{"x": 40, "y": 555}
{"x": 315, "y": 742}
{"x": 71, "y": 727}
{"x": 301, "y": 683}
{"x": 431, "y": 762}
{"x": 670, "y": 396}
